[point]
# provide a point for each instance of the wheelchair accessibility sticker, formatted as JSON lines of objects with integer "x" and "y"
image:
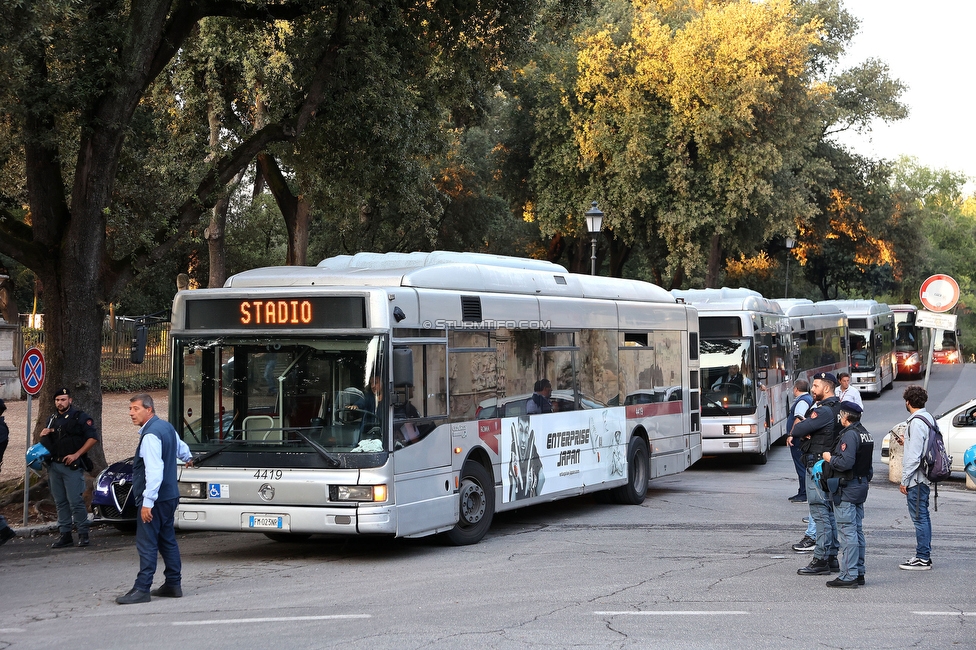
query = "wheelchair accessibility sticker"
{"x": 219, "y": 491}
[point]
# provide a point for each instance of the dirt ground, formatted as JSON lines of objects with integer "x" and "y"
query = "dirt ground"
{"x": 119, "y": 435}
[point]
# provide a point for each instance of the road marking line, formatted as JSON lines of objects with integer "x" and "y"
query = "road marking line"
{"x": 701, "y": 612}
{"x": 11, "y": 630}
{"x": 271, "y": 619}
{"x": 945, "y": 613}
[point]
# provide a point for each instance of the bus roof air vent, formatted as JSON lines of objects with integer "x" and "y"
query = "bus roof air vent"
{"x": 471, "y": 309}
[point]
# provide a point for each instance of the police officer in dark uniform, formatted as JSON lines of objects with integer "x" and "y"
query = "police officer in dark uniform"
{"x": 817, "y": 434}
{"x": 69, "y": 435}
{"x": 852, "y": 468}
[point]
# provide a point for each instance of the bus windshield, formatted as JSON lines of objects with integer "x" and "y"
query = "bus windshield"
{"x": 862, "y": 350}
{"x": 294, "y": 403}
{"x": 726, "y": 367}
{"x": 907, "y": 338}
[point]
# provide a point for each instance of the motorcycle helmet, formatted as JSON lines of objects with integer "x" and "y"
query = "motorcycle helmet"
{"x": 969, "y": 459}
{"x": 35, "y": 456}
{"x": 816, "y": 473}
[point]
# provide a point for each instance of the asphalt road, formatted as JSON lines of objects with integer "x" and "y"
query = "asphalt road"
{"x": 705, "y": 562}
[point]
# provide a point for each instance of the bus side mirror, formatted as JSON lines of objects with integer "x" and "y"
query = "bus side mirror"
{"x": 137, "y": 351}
{"x": 402, "y": 368}
{"x": 762, "y": 356}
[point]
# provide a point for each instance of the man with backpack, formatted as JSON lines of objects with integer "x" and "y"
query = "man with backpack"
{"x": 914, "y": 483}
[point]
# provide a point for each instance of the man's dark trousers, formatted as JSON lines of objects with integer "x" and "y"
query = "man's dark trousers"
{"x": 158, "y": 537}
{"x": 801, "y": 469}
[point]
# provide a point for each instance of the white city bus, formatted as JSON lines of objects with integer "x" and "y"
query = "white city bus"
{"x": 342, "y": 398}
{"x": 745, "y": 366}
{"x": 872, "y": 338}
{"x": 819, "y": 336}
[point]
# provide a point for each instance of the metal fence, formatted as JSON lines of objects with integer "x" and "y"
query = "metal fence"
{"x": 118, "y": 372}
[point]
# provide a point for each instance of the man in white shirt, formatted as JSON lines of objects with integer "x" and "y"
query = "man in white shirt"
{"x": 847, "y": 393}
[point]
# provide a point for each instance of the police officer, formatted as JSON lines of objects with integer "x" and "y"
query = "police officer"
{"x": 851, "y": 463}
{"x": 817, "y": 434}
{"x": 69, "y": 435}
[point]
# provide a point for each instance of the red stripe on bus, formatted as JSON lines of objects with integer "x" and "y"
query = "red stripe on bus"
{"x": 652, "y": 409}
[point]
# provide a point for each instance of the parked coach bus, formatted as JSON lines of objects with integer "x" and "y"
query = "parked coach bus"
{"x": 872, "y": 351}
{"x": 342, "y": 398}
{"x": 819, "y": 336}
{"x": 911, "y": 342}
{"x": 745, "y": 366}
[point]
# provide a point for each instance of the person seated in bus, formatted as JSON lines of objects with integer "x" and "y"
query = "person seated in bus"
{"x": 370, "y": 405}
{"x": 539, "y": 402}
{"x": 733, "y": 379}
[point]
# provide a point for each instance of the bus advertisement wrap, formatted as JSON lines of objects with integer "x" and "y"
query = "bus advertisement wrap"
{"x": 549, "y": 454}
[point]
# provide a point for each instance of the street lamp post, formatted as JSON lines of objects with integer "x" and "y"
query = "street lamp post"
{"x": 790, "y": 243}
{"x": 594, "y": 223}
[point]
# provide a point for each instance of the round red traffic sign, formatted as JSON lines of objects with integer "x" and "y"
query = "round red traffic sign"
{"x": 32, "y": 371}
{"x": 939, "y": 293}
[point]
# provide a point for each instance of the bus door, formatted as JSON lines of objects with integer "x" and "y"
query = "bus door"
{"x": 423, "y": 475}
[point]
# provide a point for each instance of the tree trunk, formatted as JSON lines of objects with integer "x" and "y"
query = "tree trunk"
{"x": 295, "y": 210}
{"x": 619, "y": 254}
{"x": 714, "y": 271}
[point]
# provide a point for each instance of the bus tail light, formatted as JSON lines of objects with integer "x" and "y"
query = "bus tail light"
{"x": 358, "y": 493}
{"x": 740, "y": 429}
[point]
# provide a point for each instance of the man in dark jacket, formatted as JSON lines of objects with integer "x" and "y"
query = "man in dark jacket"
{"x": 851, "y": 469}
{"x": 69, "y": 435}
{"x": 817, "y": 434}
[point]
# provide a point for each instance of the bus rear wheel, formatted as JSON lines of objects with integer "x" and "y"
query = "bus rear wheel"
{"x": 636, "y": 489}
{"x": 477, "y": 505}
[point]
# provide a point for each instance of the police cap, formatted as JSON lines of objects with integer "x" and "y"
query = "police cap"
{"x": 62, "y": 391}
{"x": 826, "y": 376}
{"x": 851, "y": 407}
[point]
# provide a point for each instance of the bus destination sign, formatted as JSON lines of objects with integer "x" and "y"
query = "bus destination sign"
{"x": 324, "y": 312}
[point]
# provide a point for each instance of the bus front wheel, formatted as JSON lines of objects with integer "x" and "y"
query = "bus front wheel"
{"x": 636, "y": 489}
{"x": 477, "y": 505}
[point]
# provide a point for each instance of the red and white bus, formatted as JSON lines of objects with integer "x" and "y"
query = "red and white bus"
{"x": 911, "y": 342}
{"x": 387, "y": 394}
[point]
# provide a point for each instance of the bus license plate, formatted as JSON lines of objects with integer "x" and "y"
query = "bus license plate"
{"x": 266, "y": 521}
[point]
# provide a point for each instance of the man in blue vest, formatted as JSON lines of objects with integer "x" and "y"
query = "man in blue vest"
{"x": 156, "y": 497}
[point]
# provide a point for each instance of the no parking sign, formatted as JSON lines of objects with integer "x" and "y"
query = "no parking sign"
{"x": 32, "y": 371}
{"x": 31, "y": 378}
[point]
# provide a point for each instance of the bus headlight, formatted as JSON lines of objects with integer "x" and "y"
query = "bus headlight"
{"x": 363, "y": 493}
{"x": 193, "y": 490}
{"x": 740, "y": 429}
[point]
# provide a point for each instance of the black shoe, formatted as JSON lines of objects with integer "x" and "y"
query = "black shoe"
{"x": 805, "y": 545}
{"x": 847, "y": 584}
{"x": 134, "y": 596}
{"x": 66, "y": 540}
{"x": 83, "y": 539}
{"x": 816, "y": 567}
{"x": 6, "y": 534}
{"x": 798, "y": 498}
{"x": 833, "y": 564}
{"x": 168, "y": 591}
{"x": 860, "y": 579}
